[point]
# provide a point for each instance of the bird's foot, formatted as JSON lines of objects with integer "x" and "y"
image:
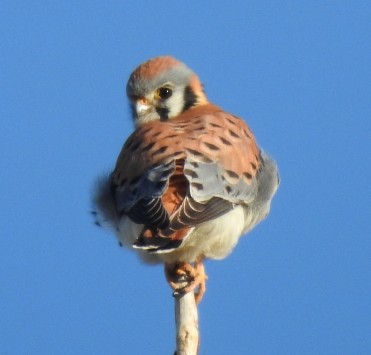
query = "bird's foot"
{"x": 184, "y": 278}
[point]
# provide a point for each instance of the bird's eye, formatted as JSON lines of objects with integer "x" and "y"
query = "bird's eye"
{"x": 164, "y": 93}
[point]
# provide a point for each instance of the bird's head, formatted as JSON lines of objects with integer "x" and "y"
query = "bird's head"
{"x": 161, "y": 89}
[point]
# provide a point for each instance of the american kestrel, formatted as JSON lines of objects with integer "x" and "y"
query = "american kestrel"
{"x": 190, "y": 180}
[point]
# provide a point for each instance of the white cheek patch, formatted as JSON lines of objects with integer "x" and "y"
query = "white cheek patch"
{"x": 175, "y": 103}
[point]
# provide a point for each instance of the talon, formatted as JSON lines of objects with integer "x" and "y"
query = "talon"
{"x": 184, "y": 278}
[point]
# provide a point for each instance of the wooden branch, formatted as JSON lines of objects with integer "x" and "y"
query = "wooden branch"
{"x": 186, "y": 318}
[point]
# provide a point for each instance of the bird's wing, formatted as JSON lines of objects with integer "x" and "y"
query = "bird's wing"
{"x": 194, "y": 168}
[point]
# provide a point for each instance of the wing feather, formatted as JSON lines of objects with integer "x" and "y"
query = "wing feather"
{"x": 182, "y": 172}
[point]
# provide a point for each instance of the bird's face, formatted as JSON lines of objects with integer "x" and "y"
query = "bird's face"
{"x": 161, "y": 89}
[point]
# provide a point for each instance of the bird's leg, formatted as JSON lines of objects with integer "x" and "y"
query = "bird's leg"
{"x": 184, "y": 278}
{"x": 200, "y": 280}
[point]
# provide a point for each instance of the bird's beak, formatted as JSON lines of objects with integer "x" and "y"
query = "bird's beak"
{"x": 142, "y": 105}
{"x": 145, "y": 111}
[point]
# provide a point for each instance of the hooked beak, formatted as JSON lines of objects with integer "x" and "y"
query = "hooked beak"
{"x": 141, "y": 106}
{"x": 145, "y": 111}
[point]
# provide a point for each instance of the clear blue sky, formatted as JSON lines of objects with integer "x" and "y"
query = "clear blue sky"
{"x": 297, "y": 71}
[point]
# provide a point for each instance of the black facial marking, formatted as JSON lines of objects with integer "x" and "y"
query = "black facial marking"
{"x": 190, "y": 98}
{"x": 163, "y": 112}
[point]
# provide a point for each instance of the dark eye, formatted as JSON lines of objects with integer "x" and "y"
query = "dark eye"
{"x": 164, "y": 93}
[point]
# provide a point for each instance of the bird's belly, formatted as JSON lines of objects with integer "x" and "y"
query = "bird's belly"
{"x": 213, "y": 239}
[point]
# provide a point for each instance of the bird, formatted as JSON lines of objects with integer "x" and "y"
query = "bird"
{"x": 189, "y": 181}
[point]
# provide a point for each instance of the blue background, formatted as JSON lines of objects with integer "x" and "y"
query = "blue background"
{"x": 297, "y": 71}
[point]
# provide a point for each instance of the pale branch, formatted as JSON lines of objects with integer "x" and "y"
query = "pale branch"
{"x": 186, "y": 318}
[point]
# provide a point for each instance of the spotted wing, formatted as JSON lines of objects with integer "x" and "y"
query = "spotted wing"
{"x": 180, "y": 173}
